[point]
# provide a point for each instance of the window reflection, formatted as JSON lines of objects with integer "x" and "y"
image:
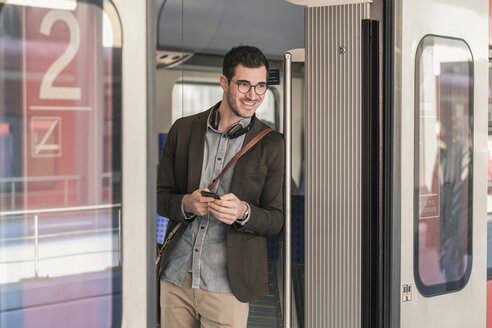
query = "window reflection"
{"x": 443, "y": 162}
{"x": 60, "y": 166}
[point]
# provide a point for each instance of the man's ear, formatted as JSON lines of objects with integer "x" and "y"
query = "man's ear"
{"x": 224, "y": 83}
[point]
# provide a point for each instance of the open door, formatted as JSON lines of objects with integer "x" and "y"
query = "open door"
{"x": 440, "y": 151}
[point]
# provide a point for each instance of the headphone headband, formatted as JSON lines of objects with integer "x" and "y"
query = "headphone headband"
{"x": 234, "y": 131}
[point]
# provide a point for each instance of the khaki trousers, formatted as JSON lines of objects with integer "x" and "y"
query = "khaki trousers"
{"x": 186, "y": 307}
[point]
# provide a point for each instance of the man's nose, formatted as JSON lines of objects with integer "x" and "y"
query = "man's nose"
{"x": 251, "y": 94}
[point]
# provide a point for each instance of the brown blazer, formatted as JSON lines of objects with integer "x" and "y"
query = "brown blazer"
{"x": 258, "y": 180}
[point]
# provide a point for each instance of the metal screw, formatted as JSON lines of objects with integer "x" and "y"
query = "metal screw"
{"x": 342, "y": 50}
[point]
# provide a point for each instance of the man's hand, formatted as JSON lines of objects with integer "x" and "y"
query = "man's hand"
{"x": 228, "y": 208}
{"x": 197, "y": 204}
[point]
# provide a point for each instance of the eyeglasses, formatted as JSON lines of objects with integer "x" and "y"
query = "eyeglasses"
{"x": 245, "y": 86}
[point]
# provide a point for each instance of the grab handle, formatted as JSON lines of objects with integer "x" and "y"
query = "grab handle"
{"x": 290, "y": 56}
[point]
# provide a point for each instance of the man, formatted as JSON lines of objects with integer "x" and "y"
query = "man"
{"x": 217, "y": 261}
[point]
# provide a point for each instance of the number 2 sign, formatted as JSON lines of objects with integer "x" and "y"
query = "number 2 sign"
{"x": 47, "y": 89}
{"x": 59, "y": 60}
{"x": 62, "y": 77}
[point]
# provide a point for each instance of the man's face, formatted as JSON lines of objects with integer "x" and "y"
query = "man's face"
{"x": 244, "y": 104}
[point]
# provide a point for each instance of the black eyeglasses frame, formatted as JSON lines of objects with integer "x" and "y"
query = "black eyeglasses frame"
{"x": 250, "y": 86}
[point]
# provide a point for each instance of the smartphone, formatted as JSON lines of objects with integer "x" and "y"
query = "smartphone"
{"x": 210, "y": 194}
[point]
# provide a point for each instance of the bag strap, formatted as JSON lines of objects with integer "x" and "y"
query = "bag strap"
{"x": 232, "y": 161}
{"x": 239, "y": 154}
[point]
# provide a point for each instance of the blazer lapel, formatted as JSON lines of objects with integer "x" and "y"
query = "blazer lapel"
{"x": 237, "y": 174}
{"x": 253, "y": 132}
{"x": 195, "y": 151}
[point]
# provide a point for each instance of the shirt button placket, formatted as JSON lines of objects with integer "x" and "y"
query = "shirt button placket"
{"x": 220, "y": 155}
{"x": 196, "y": 268}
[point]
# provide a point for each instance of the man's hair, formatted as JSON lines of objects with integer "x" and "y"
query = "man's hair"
{"x": 248, "y": 56}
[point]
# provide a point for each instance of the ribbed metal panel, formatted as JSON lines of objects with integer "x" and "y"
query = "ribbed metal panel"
{"x": 333, "y": 165}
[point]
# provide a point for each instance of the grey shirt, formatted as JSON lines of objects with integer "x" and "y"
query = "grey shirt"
{"x": 202, "y": 248}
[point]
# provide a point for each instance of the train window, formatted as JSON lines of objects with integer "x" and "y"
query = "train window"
{"x": 443, "y": 165}
{"x": 60, "y": 164}
{"x": 191, "y": 97}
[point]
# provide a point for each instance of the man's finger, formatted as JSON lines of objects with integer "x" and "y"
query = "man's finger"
{"x": 222, "y": 216}
{"x": 228, "y": 196}
{"x": 204, "y": 199}
{"x": 223, "y": 210}
{"x": 223, "y": 207}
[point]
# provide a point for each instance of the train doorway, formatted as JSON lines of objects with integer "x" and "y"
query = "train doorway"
{"x": 192, "y": 40}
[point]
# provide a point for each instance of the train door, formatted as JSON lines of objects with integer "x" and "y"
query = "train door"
{"x": 342, "y": 113}
{"x": 65, "y": 104}
{"x": 440, "y": 161}
{"x": 60, "y": 208}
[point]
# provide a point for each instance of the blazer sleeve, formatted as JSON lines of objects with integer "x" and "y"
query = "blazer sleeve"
{"x": 267, "y": 217}
{"x": 169, "y": 195}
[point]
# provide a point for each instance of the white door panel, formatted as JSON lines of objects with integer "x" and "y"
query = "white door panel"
{"x": 468, "y": 21}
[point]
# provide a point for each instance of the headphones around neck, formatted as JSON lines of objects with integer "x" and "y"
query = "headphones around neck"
{"x": 234, "y": 131}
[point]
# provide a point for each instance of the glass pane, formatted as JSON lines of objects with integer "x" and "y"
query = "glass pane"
{"x": 443, "y": 165}
{"x": 60, "y": 165}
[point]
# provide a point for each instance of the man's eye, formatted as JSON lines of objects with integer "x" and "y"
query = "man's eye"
{"x": 244, "y": 84}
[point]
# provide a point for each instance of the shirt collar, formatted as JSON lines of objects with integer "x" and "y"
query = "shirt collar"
{"x": 244, "y": 122}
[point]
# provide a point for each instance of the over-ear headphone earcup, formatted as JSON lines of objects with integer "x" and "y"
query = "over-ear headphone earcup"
{"x": 215, "y": 119}
{"x": 235, "y": 131}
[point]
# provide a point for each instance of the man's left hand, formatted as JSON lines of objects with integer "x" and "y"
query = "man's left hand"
{"x": 228, "y": 208}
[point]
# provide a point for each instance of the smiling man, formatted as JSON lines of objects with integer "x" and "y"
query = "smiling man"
{"x": 217, "y": 262}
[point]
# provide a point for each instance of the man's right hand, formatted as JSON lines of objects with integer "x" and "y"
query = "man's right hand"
{"x": 197, "y": 204}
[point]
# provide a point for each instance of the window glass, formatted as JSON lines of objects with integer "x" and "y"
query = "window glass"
{"x": 60, "y": 165}
{"x": 443, "y": 165}
{"x": 203, "y": 95}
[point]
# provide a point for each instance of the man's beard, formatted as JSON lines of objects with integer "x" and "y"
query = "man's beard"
{"x": 233, "y": 107}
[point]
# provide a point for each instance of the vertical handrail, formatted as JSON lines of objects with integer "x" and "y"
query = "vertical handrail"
{"x": 36, "y": 246}
{"x": 295, "y": 55}
{"x": 119, "y": 237}
{"x": 287, "y": 197}
{"x": 12, "y": 193}
{"x": 77, "y": 190}
{"x": 65, "y": 192}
